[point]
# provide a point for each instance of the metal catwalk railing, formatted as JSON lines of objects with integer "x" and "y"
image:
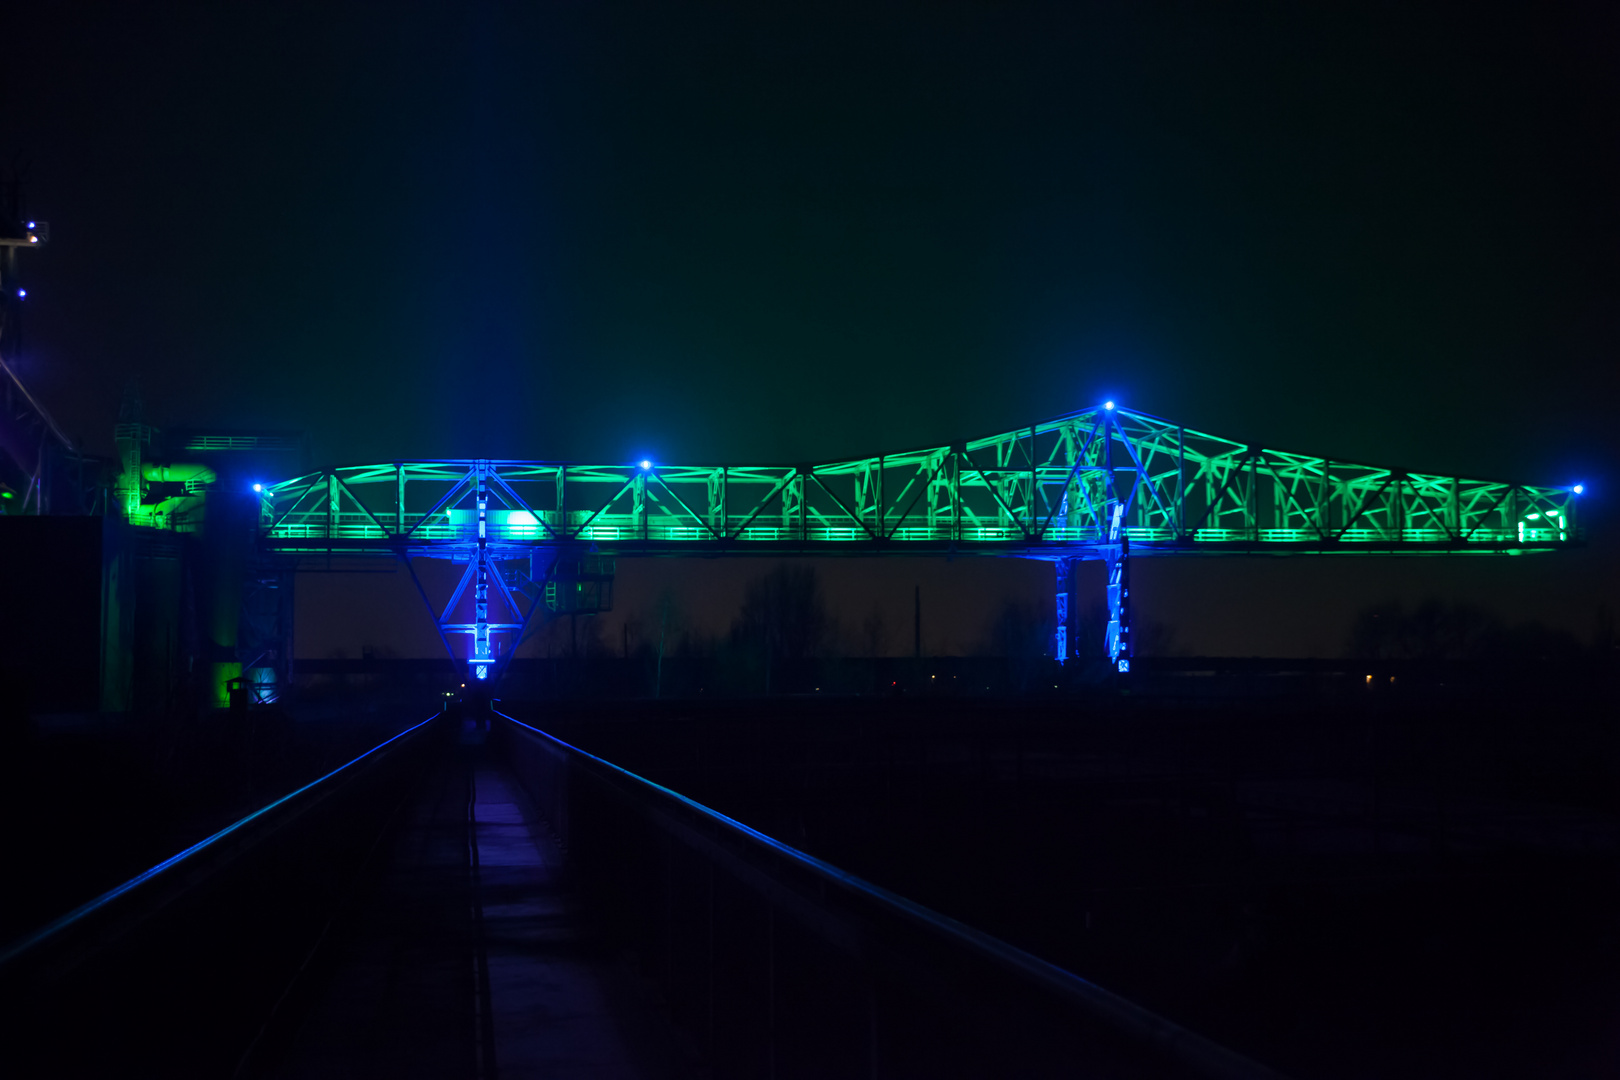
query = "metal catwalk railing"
{"x": 780, "y": 964}
{"x": 1054, "y": 489}
{"x": 1103, "y": 483}
{"x": 176, "y": 971}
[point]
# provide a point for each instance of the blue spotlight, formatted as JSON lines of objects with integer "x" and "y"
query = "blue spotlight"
{"x": 1579, "y": 489}
{"x": 22, "y": 294}
{"x": 1108, "y": 405}
{"x": 258, "y": 487}
{"x": 645, "y": 465}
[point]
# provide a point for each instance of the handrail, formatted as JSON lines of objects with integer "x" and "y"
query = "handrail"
{"x": 1124, "y": 1015}
{"x": 31, "y": 941}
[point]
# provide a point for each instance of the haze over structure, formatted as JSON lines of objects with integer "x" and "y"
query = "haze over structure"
{"x": 731, "y": 233}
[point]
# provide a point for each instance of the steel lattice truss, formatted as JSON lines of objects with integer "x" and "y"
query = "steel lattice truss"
{"x": 1051, "y": 490}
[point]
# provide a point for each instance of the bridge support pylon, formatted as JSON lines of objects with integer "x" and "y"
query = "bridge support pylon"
{"x": 1066, "y": 639}
{"x": 1117, "y": 558}
{"x": 481, "y": 659}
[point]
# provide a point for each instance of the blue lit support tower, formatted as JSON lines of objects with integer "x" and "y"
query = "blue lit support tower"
{"x": 481, "y": 658}
{"x": 1065, "y": 640}
{"x": 1094, "y": 456}
{"x": 1116, "y": 561}
{"x": 1117, "y": 558}
{"x": 1116, "y": 550}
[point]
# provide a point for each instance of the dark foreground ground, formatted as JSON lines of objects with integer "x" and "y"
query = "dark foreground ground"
{"x": 1389, "y": 885}
{"x": 1384, "y": 886}
{"x": 88, "y": 802}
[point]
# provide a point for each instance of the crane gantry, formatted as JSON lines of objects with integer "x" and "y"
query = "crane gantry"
{"x": 1105, "y": 483}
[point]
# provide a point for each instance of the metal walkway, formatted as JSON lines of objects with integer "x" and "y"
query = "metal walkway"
{"x": 408, "y": 915}
{"x": 472, "y": 960}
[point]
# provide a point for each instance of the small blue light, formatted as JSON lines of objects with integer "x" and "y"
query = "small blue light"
{"x": 30, "y": 225}
{"x": 258, "y": 487}
{"x": 646, "y": 464}
{"x": 1108, "y": 404}
{"x": 481, "y": 671}
{"x": 1579, "y": 489}
{"x": 22, "y": 294}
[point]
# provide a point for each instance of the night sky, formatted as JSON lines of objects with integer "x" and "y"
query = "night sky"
{"x": 747, "y": 233}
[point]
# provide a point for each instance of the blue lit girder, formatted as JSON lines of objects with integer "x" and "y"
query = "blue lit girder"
{"x": 481, "y": 657}
{"x": 1065, "y": 643}
{"x": 1116, "y": 556}
{"x": 1115, "y": 553}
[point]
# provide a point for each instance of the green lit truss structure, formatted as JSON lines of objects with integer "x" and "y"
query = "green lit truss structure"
{"x": 1103, "y": 483}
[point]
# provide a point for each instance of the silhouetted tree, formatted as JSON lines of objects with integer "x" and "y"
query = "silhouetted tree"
{"x": 1021, "y": 634}
{"x": 1439, "y": 631}
{"x": 875, "y": 632}
{"x": 1150, "y": 637}
{"x": 783, "y": 613}
{"x": 1434, "y": 631}
{"x": 667, "y": 622}
{"x": 1018, "y": 630}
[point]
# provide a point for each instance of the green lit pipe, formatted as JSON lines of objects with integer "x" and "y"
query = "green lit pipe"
{"x": 194, "y": 476}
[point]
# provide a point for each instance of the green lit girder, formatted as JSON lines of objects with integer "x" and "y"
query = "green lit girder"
{"x": 1045, "y": 491}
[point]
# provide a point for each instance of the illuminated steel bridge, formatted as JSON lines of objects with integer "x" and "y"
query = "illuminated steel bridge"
{"x": 1103, "y": 483}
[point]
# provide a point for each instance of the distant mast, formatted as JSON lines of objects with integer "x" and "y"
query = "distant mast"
{"x": 916, "y": 621}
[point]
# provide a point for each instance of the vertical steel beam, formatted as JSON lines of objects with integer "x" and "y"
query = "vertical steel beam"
{"x": 955, "y": 490}
{"x": 481, "y": 657}
{"x": 562, "y": 503}
{"x": 1252, "y": 497}
{"x": 882, "y": 527}
{"x": 794, "y": 519}
{"x": 1031, "y": 502}
{"x": 1066, "y": 638}
{"x": 333, "y": 505}
{"x": 638, "y": 495}
{"x": 1324, "y": 503}
{"x": 1181, "y": 483}
{"x": 1116, "y": 557}
{"x": 716, "y": 488}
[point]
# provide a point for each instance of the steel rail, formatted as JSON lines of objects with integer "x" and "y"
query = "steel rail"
{"x": 1209, "y": 1058}
{"x": 29, "y": 942}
